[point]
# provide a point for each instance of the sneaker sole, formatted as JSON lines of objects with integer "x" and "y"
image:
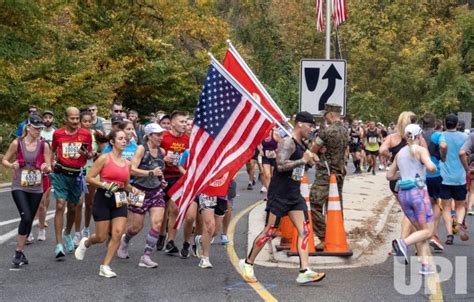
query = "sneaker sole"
{"x": 247, "y": 279}
{"x": 311, "y": 281}
{"x": 436, "y": 247}
{"x": 398, "y": 250}
{"x": 60, "y": 255}
{"x": 204, "y": 267}
{"x": 147, "y": 266}
{"x": 107, "y": 276}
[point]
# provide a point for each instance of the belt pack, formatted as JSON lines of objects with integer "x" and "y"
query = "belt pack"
{"x": 60, "y": 169}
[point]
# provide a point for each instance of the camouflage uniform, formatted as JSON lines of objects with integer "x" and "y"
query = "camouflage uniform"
{"x": 334, "y": 139}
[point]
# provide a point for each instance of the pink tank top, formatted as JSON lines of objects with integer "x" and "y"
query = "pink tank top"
{"x": 114, "y": 173}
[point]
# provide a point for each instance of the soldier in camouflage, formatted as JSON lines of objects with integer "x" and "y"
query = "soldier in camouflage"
{"x": 330, "y": 145}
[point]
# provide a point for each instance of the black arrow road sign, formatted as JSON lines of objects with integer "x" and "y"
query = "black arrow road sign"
{"x": 331, "y": 75}
{"x": 312, "y": 77}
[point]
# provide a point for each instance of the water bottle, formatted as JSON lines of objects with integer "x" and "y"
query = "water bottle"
{"x": 420, "y": 183}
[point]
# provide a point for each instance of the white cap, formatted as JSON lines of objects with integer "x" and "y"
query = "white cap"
{"x": 153, "y": 128}
{"x": 413, "y": 130}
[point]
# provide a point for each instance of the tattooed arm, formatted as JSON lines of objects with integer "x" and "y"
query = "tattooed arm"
{"x": 285, "y": 149}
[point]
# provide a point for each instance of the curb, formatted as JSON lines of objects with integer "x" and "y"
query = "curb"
{"x": 5, "y": 185}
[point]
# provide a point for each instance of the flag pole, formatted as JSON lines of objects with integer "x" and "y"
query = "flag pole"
{"x": 328, "y": 29}
{"x": 256, "y": 81}
{"x": 244, "y": 91}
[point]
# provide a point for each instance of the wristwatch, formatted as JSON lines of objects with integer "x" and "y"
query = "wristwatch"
{"x": 151, "y": 173}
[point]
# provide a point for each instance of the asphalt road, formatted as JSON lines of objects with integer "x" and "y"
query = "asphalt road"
{"x": 45, "y": 279}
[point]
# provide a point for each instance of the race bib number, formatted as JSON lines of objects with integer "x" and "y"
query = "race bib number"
{"x": 120, "y": 199}
{"x": 175, "y": 156}
{"x": 30, "y": 178}
{"x": 71, "y": 150}
{"x": 373, "y": 140}
{"x": 207, "y": 201}
{"x": 355, "y": 140}
{"x": 136, "y": 199}
{"x": 298, "y": 173}
{"x": 270, "y": 154}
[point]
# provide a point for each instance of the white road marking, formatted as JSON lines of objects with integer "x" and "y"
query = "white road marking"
{"x": 6, "y": 222}
{"x": 5, "y": 237}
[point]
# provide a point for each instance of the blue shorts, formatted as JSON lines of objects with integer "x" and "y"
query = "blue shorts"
{"x": 434, "y": 186}
{"x": 416, "y": 205}
{"x": 66, "y": 187}
{"x": 458, "y": 193}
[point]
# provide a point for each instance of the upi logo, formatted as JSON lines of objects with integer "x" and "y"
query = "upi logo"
{"x": 410, "y": 281}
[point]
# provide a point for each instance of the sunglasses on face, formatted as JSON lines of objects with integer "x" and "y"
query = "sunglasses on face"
{"x": 118, "y": 111}
{"x": 93, "y": 109}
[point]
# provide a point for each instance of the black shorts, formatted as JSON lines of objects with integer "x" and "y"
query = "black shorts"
{"x": 171, "y": 182}
{"x": 353, "y": 148}
{"x": 458, "y": 193}
{"x": 104, "y": 207}
{"x": 255, "y": 154}
{"x": 374, "y": 153}
{"x": 434, "y": 187}
{"x": 268, "y": 161}
{"x": 280, "y": 206}
{"x": 220, "y": 208}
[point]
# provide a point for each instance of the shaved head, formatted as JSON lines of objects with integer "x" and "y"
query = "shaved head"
{"x": 71, "y": 110}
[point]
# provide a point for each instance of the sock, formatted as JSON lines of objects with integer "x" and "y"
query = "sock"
{"x": 303, "y": 270}
{"x": 357, "y": 164}
{"x": 150, "y": 242}
{"x": 129, "y": 235}
{"x": 246, "y": 261}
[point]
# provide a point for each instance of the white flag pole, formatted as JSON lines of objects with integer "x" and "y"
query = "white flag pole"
{"x": 244, "y": 92}
{"x": 328, "y": 29}
{"x": 256, "y": 81}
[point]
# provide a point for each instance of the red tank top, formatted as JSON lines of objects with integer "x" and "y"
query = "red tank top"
{"x": 112, "y": 172}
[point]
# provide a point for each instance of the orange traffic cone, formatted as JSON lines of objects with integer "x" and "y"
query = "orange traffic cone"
{"x": 336, "y": 241}
{"x": 294, "y": 241}
{"x": 285, "y": 232}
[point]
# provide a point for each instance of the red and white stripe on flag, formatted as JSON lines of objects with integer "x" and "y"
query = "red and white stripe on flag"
{"x": 319, "y": 15}
{"x": 227, "y": 129}
{"x": 339, "y": 12}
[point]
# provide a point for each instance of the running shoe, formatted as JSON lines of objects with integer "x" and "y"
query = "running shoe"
{"x": 449, "y": 240}
{"x": 145, "y": 261}
{"x": 16, "y": 261}
{"x": 193, "y": 249}
{"x": 309, "y": 276}
{"x": 247, "y": 271}
{"x": 171, "y": 248}
{"x": 369, "y": 168}
{"x": 263, "y": 189}
{"x": 81, "y": 249}
{"x": 381, "y": 167}
{"x": 160, "y": 244}
{"x": 30, "y": 239}
{"x": 23, "y": 258}
{"x": 185, "y": 250}
{"x": 254, "y": 182}
{"x": 68, "y": 243}
{"x": 462, "y": 230}
{"x": 76, "y": 239}
{"x": 205, "y": 263}
{"x": 427, "y": 269}
{"x": 470, "y": 212}
{"x": 59, "y": 251}
{"x": 106, "y": 271}
{"x": 41, "y": 235}
{"x": 86, "y": 232}
{"x": 435, "y": 243}
{"x": 401, "y": 249}
{"x": 225, "y": 240}
{"x": 197, "y": 241}
{"x": 455, "y": 223}
{"x": 250, "y": 186}
{"x": 122, "y": 251}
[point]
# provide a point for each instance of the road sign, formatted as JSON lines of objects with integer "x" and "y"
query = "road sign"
{"x": 321, "y": 82}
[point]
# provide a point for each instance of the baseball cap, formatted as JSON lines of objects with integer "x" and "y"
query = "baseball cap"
{"x": 35, "y": 121}
{"x": 116, "y": 119}
{"x": 304, "y": 117}
{"x": 451, "y": 120}
{"x": 153, "y": 128}
{"x": 166, "y": 116}
{"x": 47, "y": 111}
{"x": 413, "y": 130}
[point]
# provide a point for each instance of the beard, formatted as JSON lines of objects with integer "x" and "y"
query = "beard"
{"x": 47, "y": 124}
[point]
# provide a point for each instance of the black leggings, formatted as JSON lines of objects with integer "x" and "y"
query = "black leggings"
{"x": 27, "y": 205}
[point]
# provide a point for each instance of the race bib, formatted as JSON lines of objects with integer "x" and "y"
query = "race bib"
{"x": 175, "y": 156}
{"x": 120, "y": 199}
{"x": 136, "y": 199}
{"x": 355, "y": 140}
{"x": 207, "y": 201}
{"x": 71, "y": 150}
{"x": 298, "y": 173}
{"x": 30, "y": 178}
{"x": 270, "y": 154}
{"x": 373, "y": 140}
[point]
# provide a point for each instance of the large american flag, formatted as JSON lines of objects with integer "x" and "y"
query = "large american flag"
{"x": 339, "y": 12}
{"x": 227, "y": 129}
{"x": 319, "y": 15}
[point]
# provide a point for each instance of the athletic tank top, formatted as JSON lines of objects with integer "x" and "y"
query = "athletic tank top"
{"x": 409, "y": 166}
{"x": 269, "y": 143}
{"x": 372, "y": 142}
{"x": 282, "y": 184}
{"x": 149, "y": 162}
{"x": 112, "y": 172}
{"x": 28, "y": 177}
{"x": 355, "y": 136}
{"x": 397, "y": 148}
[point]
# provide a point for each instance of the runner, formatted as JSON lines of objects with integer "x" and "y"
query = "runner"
{"x": 138, "y": 128}
{"x": 165, "y": 122}
{"x": 96, "y": 120}
{"x": 285, "y": 199}
{"x": 147, "y": 167}
{"x": 32, "y": 109}
{"x": 32, "y": 158}
{"x": 110, "y": 201}
{"x": 413, "y": 161}
{"x": 131, "y": 148}
{"x": 372, "y": 145}
{"x": 453, "y": 185}
{"x": 355, "y": 137}
{"x": 269, "y": 146}
{"x": 251, "y": 169}
{"x": 467, "y": 157}
{"x": 72, "y": 146}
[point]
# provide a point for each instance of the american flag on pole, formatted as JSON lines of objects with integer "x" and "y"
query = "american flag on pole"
{"x": 339, "y": 12}
{"x": 319, "y": 15}
{"x": 227, "y": 129}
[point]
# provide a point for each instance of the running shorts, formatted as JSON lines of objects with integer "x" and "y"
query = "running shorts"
{"x": 66, "y": 187}
{"x": 434, "y": 186}
{"x": 104, "y": 208}
{"x": 280, "y": 206}
{"x": 416, "y": 205}
{"x": 154, "y": 198}
{"x": 458, "y": 193}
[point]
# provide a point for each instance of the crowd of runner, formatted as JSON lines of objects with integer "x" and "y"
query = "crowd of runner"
{"x": 117, "y": 170}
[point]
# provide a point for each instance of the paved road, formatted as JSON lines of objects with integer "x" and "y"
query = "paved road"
{"x": 45, "y": 279}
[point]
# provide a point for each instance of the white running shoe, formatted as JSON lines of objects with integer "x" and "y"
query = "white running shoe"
{"x": 122, "y": 251}
{"x": 41, "y": 235}
{"x": 205, "y": 263}
{"x": 81, "y": 249}
{"x": 247, "y": 271}
{"x": 86, "y": 232}
{"x": 197, "y": 242}
{"x": 263, "y": 189}
{"x": 30, "y": 239}
{"x": 106, "y": 271}
{"x": 309, "y": 276}
{"x": 77, "y": 238}
{"x": 145, "y": 261}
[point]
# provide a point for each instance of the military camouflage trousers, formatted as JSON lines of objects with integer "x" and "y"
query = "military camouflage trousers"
{"x": 318, "y": 199}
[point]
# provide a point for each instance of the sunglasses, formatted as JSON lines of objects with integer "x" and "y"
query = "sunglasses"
{"x": 93, "y": 109}
{"x": 118, "y": 111}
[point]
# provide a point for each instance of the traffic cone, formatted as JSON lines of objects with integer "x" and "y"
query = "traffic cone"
{"x": 285, "y": 232}
{"x": 294, "y": 241}
{"x": 336, "y": 241}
